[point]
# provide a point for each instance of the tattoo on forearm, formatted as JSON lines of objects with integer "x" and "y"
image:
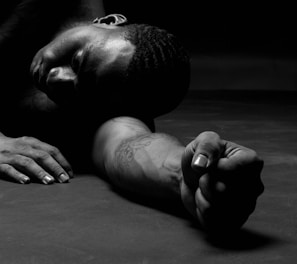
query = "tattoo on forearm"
{"x": 125, "y": 153}
{"x": 157, "y": 172}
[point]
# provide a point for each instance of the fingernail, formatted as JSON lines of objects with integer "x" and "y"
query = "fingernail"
{"x": 24, "y": 180}
{"x": 47, "y": 180}
{"x": 63, "y": 178}
{"x": 201, "y": 161}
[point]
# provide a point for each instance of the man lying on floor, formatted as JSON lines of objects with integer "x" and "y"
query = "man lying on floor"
{"x": 96, "y": 89}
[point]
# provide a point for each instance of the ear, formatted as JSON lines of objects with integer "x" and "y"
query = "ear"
{"x": 113, "y": 19}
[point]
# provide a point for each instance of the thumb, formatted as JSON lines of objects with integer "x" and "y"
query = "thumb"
{"x": 199, "y": 155}
{"x": 208, "y": 150}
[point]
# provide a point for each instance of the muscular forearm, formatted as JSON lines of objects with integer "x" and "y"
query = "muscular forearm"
{"x": 145, "y": 163}
{"x": 148, "y": 164}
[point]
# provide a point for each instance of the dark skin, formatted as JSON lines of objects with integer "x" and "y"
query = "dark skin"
{"x": 218, "y": 181}
{"x": 77, "y": 51}
{"x": 25, "y": 158}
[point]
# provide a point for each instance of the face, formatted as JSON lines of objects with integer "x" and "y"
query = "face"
{"x": 96, "y": 53}
{"x": 108, "y": 53}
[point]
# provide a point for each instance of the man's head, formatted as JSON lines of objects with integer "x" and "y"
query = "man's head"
{"x": 116, "y": 61}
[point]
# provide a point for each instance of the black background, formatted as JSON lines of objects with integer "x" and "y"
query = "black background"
{"x": 244, "y": 27}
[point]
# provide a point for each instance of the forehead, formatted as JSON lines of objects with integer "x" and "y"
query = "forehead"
{"x": 117, "y": 47}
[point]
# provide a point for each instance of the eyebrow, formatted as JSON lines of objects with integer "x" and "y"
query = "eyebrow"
{"x": 87, "y": 63}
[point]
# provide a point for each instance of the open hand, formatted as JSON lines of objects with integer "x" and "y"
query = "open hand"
{"x": 221, "y": 181}
{"x": 25, "y": 158}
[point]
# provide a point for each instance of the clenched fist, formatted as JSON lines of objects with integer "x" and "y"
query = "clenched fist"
{"x": 221, "y": 181}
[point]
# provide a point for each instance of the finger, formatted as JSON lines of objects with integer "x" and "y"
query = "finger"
{"x": 48, "y": 163}
{"x": 53, "y": 151}
{"x": 223, "y": 216}
{"x": 10, "y": 172}
{"x": 237, "y": 156}
{"x": 212, "y": 189}
{"x": 203, "y": 208}
{"x": 199, "y": 155}
{"x": 241, "y": 168}
{"x": 190, "y": 177}
{"x": 57, "y": 155}
{"x": 29, "y": 167}
{"x": 188, "y": 199}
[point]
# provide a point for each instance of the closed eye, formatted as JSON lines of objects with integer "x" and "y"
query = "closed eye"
{"x": 77, "y": 61}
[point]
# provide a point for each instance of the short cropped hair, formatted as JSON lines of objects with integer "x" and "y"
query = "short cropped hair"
{"x": 159, "y": 69}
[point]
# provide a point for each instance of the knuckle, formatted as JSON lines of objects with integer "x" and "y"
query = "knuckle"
{"x": 209, "y": 134}
{"x": 5, "y": 168}
{"x": 210, "y": 143}
{"x": 253, "y": 154}
{"x": 5, "y": 153}
{"x": 21, "y": 145}
{"x": 41, "y": 155}
{"x": 54, "y": 151}
{"x": 255, "y": 161}
{"x": 24, "y": 161}
{"x": 25, "y": 140}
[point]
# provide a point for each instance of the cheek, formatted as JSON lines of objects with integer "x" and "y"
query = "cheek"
{"x": 89, "y": 60}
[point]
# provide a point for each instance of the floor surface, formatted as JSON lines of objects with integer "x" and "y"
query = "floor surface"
{"x": 86, "y": 221}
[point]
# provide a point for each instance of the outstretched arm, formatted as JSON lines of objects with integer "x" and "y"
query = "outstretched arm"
{"x": 217, "y": 180}
{"x": 137, "y": 160}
